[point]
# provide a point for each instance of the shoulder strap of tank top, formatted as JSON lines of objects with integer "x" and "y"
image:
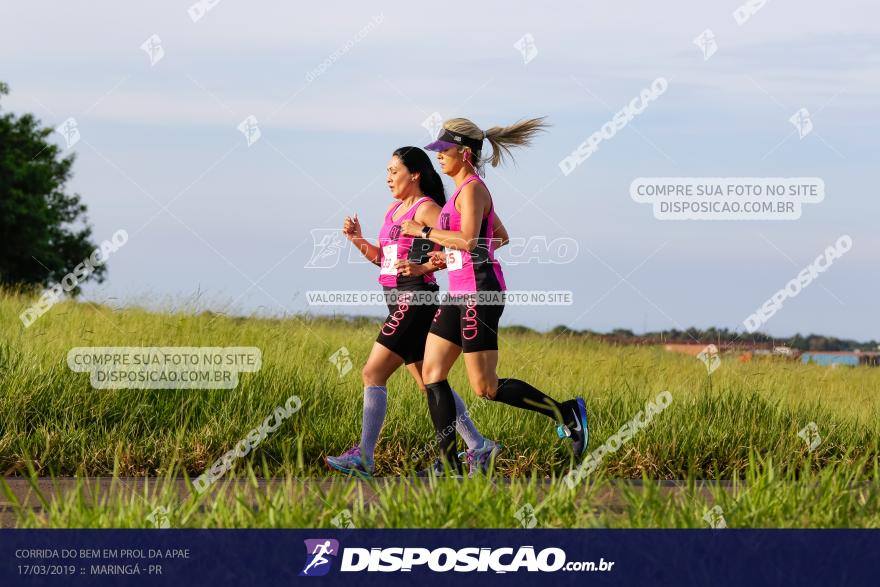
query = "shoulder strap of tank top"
{"x": 415, "y": 207}
{"x": 409, "y": 213}
{"x": 480, "y": 179}
{"x": 464, "y": 183}
{"x": 390, "y": 214}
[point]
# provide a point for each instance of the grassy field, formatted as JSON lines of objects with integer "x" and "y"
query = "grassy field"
{"x": 741, "y": 422}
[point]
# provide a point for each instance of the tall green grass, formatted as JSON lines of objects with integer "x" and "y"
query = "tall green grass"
{"x": 837, "y": 496}
{"x": 52, "y": 416}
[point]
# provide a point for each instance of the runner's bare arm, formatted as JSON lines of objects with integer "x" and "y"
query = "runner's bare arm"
{"x": 428, "y": 214}
{"x": 351, "y": 228}
{"x": 500, "y": 237}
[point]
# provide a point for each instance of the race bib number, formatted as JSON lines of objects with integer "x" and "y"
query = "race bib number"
{"x": 453, "y": 260}
{"x": 389, "y": 258}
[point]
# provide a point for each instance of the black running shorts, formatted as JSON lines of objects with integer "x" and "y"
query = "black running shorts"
{"x": 406, "y": 327}
{"x": 472, "y": 326}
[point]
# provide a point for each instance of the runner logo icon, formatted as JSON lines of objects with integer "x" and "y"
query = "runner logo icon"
{"x": 317, "y": 552}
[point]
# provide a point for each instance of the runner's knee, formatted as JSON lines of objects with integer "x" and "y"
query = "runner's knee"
{"x": 372, "y": 376}
{"x": 485, "y": 387}
{"x": 432, "y": 373}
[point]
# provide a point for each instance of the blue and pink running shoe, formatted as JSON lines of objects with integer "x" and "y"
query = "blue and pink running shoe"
{"x": 576, "y": 427}
{"x": 351, "y": 463}
{"x": 479, "y": 460}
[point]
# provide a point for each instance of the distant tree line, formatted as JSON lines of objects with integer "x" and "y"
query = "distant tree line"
{"x": 811, "y": 342}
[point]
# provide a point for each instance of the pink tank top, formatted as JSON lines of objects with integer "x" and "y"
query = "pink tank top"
{"x": 476, "y": 270}
{"x": 396, "y": 245}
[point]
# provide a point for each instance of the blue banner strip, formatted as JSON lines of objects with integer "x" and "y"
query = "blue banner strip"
{"x": 439, "y": 557}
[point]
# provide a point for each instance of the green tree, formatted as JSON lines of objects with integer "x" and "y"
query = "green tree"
{"x": 43, "y": 228}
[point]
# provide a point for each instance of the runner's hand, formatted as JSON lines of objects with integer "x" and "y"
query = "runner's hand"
{"x": 438, "y": 259}
{"x": 407, "y": 268}
{"x": 351, "y": 228}
{"x": 411, "y": 228}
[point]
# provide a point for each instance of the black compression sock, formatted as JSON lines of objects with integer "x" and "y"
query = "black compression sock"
{"x": 441, "y": 404}
{"x": 520, "y": 394}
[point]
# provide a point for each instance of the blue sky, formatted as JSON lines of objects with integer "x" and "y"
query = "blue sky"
{"x": 237, "y": 225}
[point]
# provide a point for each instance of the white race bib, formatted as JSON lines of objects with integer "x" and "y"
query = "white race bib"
{"x": 389, "y": 258}
{"x": 453, "y": 260}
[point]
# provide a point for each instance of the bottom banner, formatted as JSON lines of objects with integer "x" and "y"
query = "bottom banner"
{"x": 465, "y": 557}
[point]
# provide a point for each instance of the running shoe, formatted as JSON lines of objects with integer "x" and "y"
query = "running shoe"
{"x": 480, "y": 459}
{"x": 351, "y": 463}
{"x": 578, "y": 428}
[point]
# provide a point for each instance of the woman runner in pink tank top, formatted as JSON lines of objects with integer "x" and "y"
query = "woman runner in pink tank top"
{"x": 470, "y": 231}
{"x": 399, "y": 247}
{"x": 406, "y": 272}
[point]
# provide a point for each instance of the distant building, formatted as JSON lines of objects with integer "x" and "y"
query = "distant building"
{"x": 852, "y": 358}
{"x": 745, "y": 352}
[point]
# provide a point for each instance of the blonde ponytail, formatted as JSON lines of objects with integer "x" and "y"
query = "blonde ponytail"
{"x": 501, "y": 138}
